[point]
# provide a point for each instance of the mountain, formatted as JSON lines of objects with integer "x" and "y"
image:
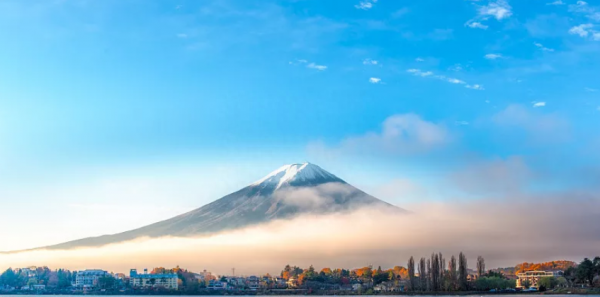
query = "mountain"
{"x": 287, "y": 192}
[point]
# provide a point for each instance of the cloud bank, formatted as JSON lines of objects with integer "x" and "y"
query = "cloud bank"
{"x": 504, "y": 232}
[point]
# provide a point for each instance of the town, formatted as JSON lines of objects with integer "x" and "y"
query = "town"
{"x": 423, "y": 276}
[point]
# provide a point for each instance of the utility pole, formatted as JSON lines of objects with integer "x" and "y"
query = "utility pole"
{"x": 233, "y": 271}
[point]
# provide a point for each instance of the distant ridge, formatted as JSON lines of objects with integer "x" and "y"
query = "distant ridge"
{"x": 279, "y": 195}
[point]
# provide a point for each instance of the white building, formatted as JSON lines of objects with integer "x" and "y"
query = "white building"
{"x": 167, "y": 280}
{"x": 89, "y": 278}
{"x": 533, "y": 277}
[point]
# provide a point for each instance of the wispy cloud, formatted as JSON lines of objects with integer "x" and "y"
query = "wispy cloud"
{"x": 419, "y": 60}
{"x": 557, "y": 2}
{"x": 590, "y": 89}
{"x": 455, "y": 81}
{"x": 374, "y": 80}
{"x": 475, "y": 87}
{"x": 499, "y": 10}
{"x": 365, "y": 5}
{"x": 370, "y": 62}
{"x": 456, "y": 68}
{"x": 182, "y": 35}
{"x": 582, "y": 7}
{"x": 310, "y": 65}
{"x": 542, "y": 47}
{"x": 539, "y": 104}
{"x": 452, "y": 80}
{"x": 584, "y": 31}
{"x": 418, "y": 72}
{"x": 476, "y": 25}
{"x": 315, "y": 66}
{"x": 493, "y": 56}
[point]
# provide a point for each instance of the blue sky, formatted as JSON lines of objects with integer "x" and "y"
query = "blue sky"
{"x": 114, "y": 107}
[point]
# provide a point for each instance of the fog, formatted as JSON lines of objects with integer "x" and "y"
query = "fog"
{"x": 505, "y": 232}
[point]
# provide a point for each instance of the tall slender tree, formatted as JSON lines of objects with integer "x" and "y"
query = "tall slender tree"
{"x": 435, "y": 272}
{"x": 480, "y": 266}
{"x": 422, "y": 275}
{"x": 429, "y": 275}
{"x": 442, "y": 270}
{"x": 462, "y": 272}
{"x": 411, "y": 273}
{"x": 453, "y": 273}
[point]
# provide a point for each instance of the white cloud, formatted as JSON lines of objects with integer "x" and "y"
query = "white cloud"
{"x": 499, "y": 10}
{"x": 404, "y": 132}
{"x": 374, "y": 80}
{"x": 582, "y": 7}
{"x": 365, "y": 5}
{"x": 370, "y": 62}
{"x": 461, "y": 123}
{"x": 315, "y": 66}
{"x": 542, "y": 47}
{"x": 539, "y": 104}
{"x": 421, "y": 73}
{"x": 582, "y": 30}
{"x": 493, "y": 56}
{"x": 455, "y": 81}
{"x": 475, "y": 87}
{"x": 310, "y": 65}
{"x": 182, "y": 35}
{"x": 419, "y": 60}
{"x": 418, "y": 72}
{"x": 477, "y": 25}
{"x": 557, "y": 2}
{"x": 590, "y": 89}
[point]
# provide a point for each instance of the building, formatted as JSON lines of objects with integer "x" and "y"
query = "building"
{"x": 534, "y": 277}
{"x": 217, "y": 285}
{"x": 89, "y": 278}
{"x": 145, "y": 280}
{"x": 252, "y": 282}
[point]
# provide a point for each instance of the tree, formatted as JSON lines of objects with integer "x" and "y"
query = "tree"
{"x": 411, "y": 273}
{"x": 106, "y": 282}
{"x": 435, "y": 272}
{"x": 9, "y": 278}
{"x": 462, "y": 272}
{"x": 586, "y": 271}
{"x": 442, "y": 271}
{"x": 549, "y": 282}
{"x": 453, "y": 273}
{"x": 570, "y": 275}
{"x": 526, "y": 284}
{"x": 391, "y": 276}
{"x": 480, "y": 266}
{"x": 422, "y": 275}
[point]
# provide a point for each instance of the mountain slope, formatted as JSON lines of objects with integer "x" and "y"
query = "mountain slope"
{"x": 287, "y": 192}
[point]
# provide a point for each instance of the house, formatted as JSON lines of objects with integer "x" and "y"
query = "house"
{"x": 252, "y": 282}
{"x": 89, "y": 278}
{"x": 145, "y": 280}
{"x": 280, "y": 282}
{"x": 292, "y": 282}
{"x": 217, "y": 285}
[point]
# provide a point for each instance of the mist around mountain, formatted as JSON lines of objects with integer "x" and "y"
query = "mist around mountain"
{"x": 287, "y": 192}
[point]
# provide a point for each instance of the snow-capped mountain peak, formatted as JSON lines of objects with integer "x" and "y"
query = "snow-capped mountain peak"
{"x": 296, "y": 175}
